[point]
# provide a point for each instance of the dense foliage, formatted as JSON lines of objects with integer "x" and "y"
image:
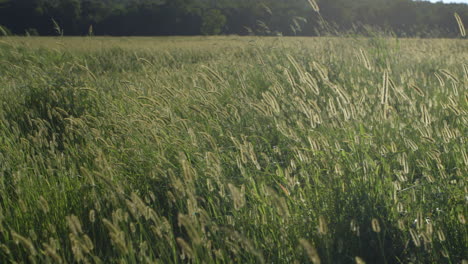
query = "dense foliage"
{"x": 260, "y": 17}
{"x": 147, "y": 150}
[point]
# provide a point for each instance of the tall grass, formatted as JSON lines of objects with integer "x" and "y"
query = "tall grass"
{"x": 219, "y": 150}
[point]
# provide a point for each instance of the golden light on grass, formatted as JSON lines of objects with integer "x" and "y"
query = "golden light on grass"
{"x": 359, "y": 260}
{"x": 159, "y": 149}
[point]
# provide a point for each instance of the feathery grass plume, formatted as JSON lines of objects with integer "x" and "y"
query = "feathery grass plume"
{"x": 461, "y": 27}
{"x": 322, "y": 70}
{"x": 461, "y": 218}
{"x": 263, "y": 29}
{"x": 465, "y": 157}
{"x": 290, "y": 79}
{"x": 365, "y": 59}
{"x": 415, "y": 238}
{"x": 425, "y": 117}
{"x": 271, "y": 102}
{"x": 89, "y": 72}
{"x": 284, "y": 189}
{"x": 97, "y": 206}
{"x": 81, "y": 246}
{"x": 429, "y": 228}
{"x": 323, "y": 226}
{"x": 340, "y": 91}
{"x": 465, "y": 70}
{"x": 359, "y": 260}
{"x": 253, "y": 156}
{"x": 90, "y": 31}
{"x": 92, "y": 216}
{"x": 417, "y": 89}
{"x": 401, "y": 224}
{"x": 297, "y": 67}
{"x": 185, "y": 247}
{"x": 445, "y": 253}
{"x": 282, "y": 206}
{"x": 384, "y": 93}
{"x": 57, "y": 28}
{"x": 43, "y": 204}
{"x": 22, "y": 206}
{"x": 312, "y": 83}
{"x": 439, "y": 78}
{"x": 87, "y": 242}
{"x": 192, "y": 226}
{"x": 74, "y": 224}
{"x": 419, "y": 220}
{"x": 375, "y": 225}
{"x": 5, "y": 249}
{"x": 304, "y": 108}
{"x": 410, "y": 144}
{"x": 267, "y": 9}
{"x": 25, "y": 242}
{"x": 314, "y": 5}
{"x": 50, "y": 252}
{"x": 214, "y": 73}
{"x": 449, "y": 75}
{"x": 401, "y": 177}
{"x": 453, "y": 106}
{"x": 311, "y": 251}
{"x": 394, "y": 86}
{"x": 331, "y": 107}
{"x": 117, "y": 236}
{"x": 426, "y": 238}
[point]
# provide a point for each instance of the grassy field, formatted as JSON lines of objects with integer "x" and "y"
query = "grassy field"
{"x": 230, "y": 149}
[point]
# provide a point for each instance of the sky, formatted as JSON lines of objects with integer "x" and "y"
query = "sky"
{"x": 451, "y": 1}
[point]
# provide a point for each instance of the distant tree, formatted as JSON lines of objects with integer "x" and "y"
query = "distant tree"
{"x": 213, "y": 22}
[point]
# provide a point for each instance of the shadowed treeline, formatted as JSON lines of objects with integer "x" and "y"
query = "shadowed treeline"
{"x": 212, "y": 17}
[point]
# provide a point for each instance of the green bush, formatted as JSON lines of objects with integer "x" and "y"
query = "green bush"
{"x": 213, "y": 22}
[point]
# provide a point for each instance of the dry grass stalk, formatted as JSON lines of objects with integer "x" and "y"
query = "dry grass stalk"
{"x": 461, "y": 27}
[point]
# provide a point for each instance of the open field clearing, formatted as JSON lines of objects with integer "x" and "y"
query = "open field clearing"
{"x": 233, "y": 149}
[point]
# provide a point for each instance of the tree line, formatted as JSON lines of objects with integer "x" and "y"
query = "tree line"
{"x": 241, "y": 17}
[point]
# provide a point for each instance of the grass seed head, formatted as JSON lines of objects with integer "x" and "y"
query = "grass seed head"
{"x": 323, "y": 226}
{"x": 461, "y": 27}
{"x": 311, "y": 251}
{"x": 359, "y": 260}
{"x": 376, "y": 225}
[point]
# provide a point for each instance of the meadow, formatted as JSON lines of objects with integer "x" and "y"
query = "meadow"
{"x": 233, "y": 150}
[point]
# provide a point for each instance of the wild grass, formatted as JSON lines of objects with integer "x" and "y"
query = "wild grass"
{"x": 221, "y": 150}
